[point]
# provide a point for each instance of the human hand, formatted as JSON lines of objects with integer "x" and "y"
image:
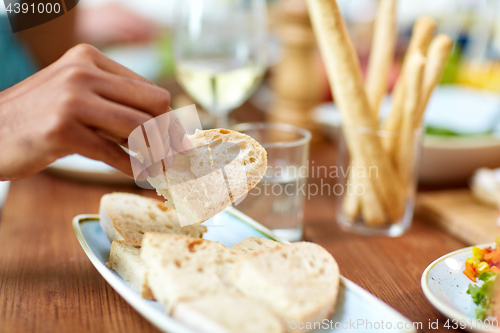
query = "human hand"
{"x": 59, "y": 110}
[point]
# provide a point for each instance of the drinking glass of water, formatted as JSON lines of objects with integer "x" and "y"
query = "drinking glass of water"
{"x": 220, "y": 52}
{"x": 278, "y": 200}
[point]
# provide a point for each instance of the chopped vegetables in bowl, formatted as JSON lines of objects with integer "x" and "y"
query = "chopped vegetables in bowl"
{"x": 484, "y": 265}
{"x": 484, "y": 295}
{"x": 483, "y": 260}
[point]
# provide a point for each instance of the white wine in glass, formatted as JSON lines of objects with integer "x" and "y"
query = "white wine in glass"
{"x": 220, "y": 52}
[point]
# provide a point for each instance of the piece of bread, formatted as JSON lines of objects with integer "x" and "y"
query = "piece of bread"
{"x": 125, "y": 259}
{"x": 126, "y": 216}
{"x": 224, "y": 167}
{"x": 194, "y": 278}
{"x": 297, "y": 281}
{"x": 180, "y": 268}
{"x": 227, "y": 313}
{"x": 253, "y": 244}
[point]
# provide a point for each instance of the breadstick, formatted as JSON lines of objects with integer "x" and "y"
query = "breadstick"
{"x": 419, "y": 93}
{"x": 344, "y": 74}
{"x": 377, "y": 77}
{"x": 437, "y": 55}
{"x": 375, "y": 215}
{"x": 352, "y": 202}
{"x": 381, "y": 54}
{"x": 423, "y": 30}
{"x": 413, "y": 96}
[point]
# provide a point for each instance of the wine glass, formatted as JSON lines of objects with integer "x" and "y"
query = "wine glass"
{"x": 220, "y": 52}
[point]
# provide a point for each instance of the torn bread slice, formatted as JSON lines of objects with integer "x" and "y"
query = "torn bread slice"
{"x": 252, "y": 244}
{"x": 127, "y": 216}
{"x": 227, "y": 313}
{"x": 224, "y": 167}
{"x": 181, "y": 268}
{"x": 125, "y": 259}
{"x": 297, "y": 281}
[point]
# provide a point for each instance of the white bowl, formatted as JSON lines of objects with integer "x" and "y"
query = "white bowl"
{"x": 444, "y": 159}
{"x": 448, "y": 160}
{"x": 445, "y": 286}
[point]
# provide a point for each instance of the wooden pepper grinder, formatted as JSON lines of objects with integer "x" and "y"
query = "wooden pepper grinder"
{"x": 298, "y": 80}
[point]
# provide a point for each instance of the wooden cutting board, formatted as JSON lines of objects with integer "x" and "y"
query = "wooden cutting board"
{"x": 460, "y": 214}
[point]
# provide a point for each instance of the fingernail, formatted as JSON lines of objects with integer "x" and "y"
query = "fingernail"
{"x": 186, "y": 143}
{"x": 169, "y": 159}
{"x": 143, "y": 176}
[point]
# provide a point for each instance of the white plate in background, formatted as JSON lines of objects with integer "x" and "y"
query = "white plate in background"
{"x": 4, "y": 190}
{"x": 142, "y": 59}
{"x": 85, "y": 169}
{"x": 454, "y": 159}
{"x": 446, "y": 159}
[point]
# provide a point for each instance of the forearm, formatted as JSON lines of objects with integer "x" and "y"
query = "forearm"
{"x": 56, "y": 112}
{"x": 49, "y": 41}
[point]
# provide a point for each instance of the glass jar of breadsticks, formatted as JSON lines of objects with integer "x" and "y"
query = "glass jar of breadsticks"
{"x": 379, "y": 186}
{"x": 378, "y": 196}
{"x": 381, "y": 172}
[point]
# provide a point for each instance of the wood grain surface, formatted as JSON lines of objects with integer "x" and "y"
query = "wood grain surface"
{"x": 47, "y": 284}
{"x": 457, "y": 212}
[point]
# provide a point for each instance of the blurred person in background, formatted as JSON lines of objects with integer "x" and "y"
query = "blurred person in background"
{"x": 24, "y": 53}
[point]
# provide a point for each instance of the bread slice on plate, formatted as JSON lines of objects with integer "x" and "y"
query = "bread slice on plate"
{"x": 215, "y": 289}
{"x": 223, "y": 168}
{"x": 227, "y": 313}
{"x": 297, "y": 281}
{"x": 125, "y": 259}
{"x": 252, "y": 244}
{"x": 126, "y": 216}
{"x": 181, "y": 268}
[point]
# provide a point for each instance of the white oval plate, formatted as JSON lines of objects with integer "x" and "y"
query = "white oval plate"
{"x": 4, "y": 190}
{"x": 357, "y": 310}
{"x": 84, "y": 169}
{"x": 445, "y": 286}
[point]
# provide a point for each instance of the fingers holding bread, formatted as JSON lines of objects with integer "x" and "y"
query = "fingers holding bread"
{"x": 223, "y": 166}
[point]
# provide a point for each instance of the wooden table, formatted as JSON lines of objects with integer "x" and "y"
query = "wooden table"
{"x": 47, "y": 284}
